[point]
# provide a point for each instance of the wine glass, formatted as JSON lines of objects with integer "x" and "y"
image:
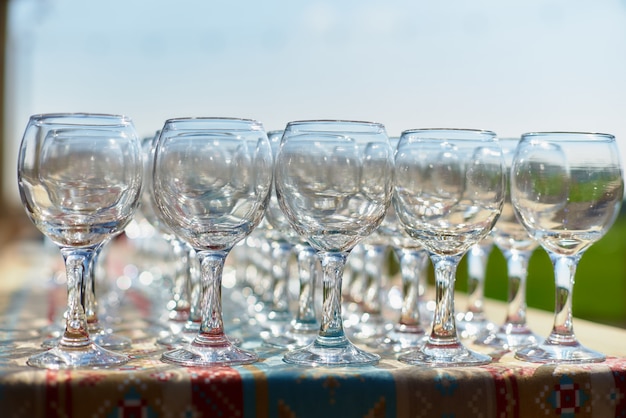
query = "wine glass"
{"x": 371, "y": 323}
{"x": 517, "y": 246}
{"x": 449, "y": 190}
{"x": 474, "y": 321}
{"x": 334, "y": 183}
{"x": 301, "y": 330}
{"x": 275, "y": 315}
{"x": 79, "y": 178}
{"x": 212, "y": 179}
{"x": 409, "y": 331}
{"x": 180, "y": 314}
{"x": 567, "y": 190}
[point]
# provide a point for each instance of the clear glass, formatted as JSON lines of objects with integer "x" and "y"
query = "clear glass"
{"x": 334, "y": 183}
{"x": 517, "y": 246}
{"x": 79, "y": 178}
{"x": 474, "y": 321}
{"x": 301, "y": 330}
{"x": 101, "y": 335}
{"x": 410, "y": 330}
{"x": 449, "y": 190}
{"x": 275, "y": 315}
{"x": 178, "y": 313}
{"x": 371, "y": 323}
{"x": 212, "y": 182}
{"x": 567, "y": 190}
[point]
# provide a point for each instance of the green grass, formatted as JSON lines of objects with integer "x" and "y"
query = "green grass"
{"x": 600, "y": 283}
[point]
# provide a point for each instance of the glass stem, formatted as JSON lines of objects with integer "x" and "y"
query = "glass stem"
{"x": 331, "y": 329}
{"x": 281, "y": 256}
{"x": 356, "y": 265}
{"x": 306, "y": 318}
{"x": 564, "y": 272}
{"x": 91, "y": 303}
{"x": 412, "y": 265}
{"x": 265, "y": 280}
{"x": 212, "y": 326}
{"x": 195, "y": 294}
{"x": 77, "y": 262}
{"x": 444, "y": 326}
{"x": 374, "y": 262}
{"x": 517, "y": 267}
{"x": 180, "y": 292}
{"x": 477, "y": 263}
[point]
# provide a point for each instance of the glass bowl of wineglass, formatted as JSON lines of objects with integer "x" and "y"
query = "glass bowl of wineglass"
{"x": 449, "y": 191}
{"x": 517, "y": 246}
{"x": 567, "y": 190}
{"x": 334, "y": 184}
{"x": 79, "y": 178}
{"x": 212, "y": 179}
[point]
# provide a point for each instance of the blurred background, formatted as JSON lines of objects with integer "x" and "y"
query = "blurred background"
{"x": 510, "y": 67}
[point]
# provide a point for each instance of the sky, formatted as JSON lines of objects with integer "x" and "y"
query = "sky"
{"x": 511, "y": 67}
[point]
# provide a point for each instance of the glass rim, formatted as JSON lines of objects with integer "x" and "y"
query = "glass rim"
{"x": 454, "y": 130}
{"x": 67, "y": 118}
{"x": 212, "y": 119}
{"x": 334, "y": 121}
{"x": 568, "y": 134}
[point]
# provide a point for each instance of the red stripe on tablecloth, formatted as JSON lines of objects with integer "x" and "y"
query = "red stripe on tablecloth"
{"x": 515, "y": 390}
{"x": 68, "y": 393}
{"x": 217, "y": 392}
{"x": 52, "y": 393}
{"x": 58, "y": 394}
{"x": 505, "y": 383}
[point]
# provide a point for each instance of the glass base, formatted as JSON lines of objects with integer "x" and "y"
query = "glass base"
{"x": 369, "y": 326}
{"x": 171, "y": 341}
{"x": 277, "y": 324}
{"x": 471, "y": 324}
{"x": 89, "y": 356}
{"x": 399, "y": 341}
{"x": 219, "y": 351}
{"x": 186, "y": 336}
{"x": 102, "y": 339}
{"x": 291, "y": 340}
{"x": 550, "y": 352}
{"x": 450, "y": 355}
{"x": 341, "y": 353}
{"x": 508, "y": 337}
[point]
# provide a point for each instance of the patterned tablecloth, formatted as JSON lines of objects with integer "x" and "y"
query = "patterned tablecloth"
{"x": 146, "y": 387}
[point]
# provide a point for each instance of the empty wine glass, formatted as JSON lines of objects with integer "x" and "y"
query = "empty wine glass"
{"x": 275, "y": 315}
{"x": 567, "y": 190}
{"x": 449, "y": 189}
{"x": 517, "y": 246}
{"x": 371, "y": 322}
{"x": 79, "y": 177}
{"x": 334, "y": 183}
{"x": 212, "y": 178}
{"x": 301, "y": 330}
{"x": 180, "y": 314}
{"x": 409, "y": 331}
{"x": 474, "y": 321}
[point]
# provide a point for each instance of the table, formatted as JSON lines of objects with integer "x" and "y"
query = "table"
{"x": 146, "y": 387}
